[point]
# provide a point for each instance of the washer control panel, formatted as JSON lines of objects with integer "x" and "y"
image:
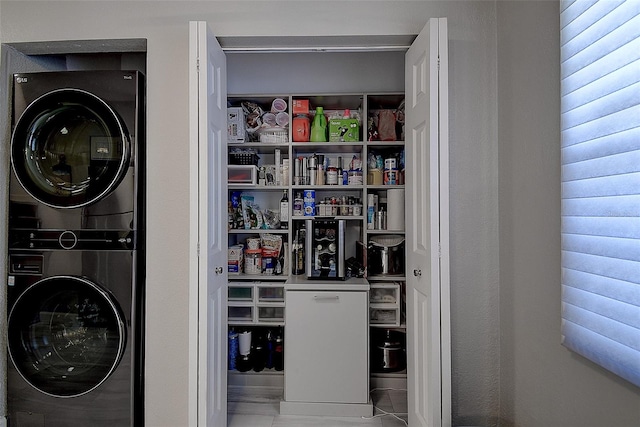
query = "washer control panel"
{"x": 72, "y": 239}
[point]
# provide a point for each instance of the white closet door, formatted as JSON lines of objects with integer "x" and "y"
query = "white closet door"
{"x": 208, "y": 123}
{"x": 428, "y": 372}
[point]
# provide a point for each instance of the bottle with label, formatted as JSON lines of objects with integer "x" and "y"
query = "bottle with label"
{"x": 278, "y": 352}
{"x": 298, "y": 204}
{"x": 320, "y": 170}
{"x": 284, "y": 210}
{"x": 319, "y": 126}
{"x": 297, "y": 267}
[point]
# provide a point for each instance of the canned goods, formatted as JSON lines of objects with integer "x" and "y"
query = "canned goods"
{"x": 267, "y": 265}
{"x": 391, "y": 177}
{"x": 355, "y": 177}
{"x": 390, "y": 163}
{"x": 332, "y": 176}
{"x": 253, "y": 261}
{"x": 309, "y": 202}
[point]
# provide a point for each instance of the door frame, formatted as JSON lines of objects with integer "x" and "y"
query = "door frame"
{"x": 443, "y": 203}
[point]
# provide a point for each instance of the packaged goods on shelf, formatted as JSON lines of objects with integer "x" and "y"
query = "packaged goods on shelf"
{"x": 235, "y": 259}
{"x": 344, "y": 126}
{"x": 235, "y": 124}
{"x": 251, "y": 213}
{"x": 386, "y": 124}
{"x": 269, "y": 124}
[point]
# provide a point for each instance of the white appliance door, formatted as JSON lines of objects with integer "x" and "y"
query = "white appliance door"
{"x": 425, "y": 375}
{"x": 208, "y": 100}
{"x": 326, "y": 347}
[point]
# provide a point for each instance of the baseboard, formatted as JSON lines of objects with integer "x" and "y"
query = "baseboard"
{"x": 327, "y": 409}
{"x": 265, "y": 378}
{"x": 392, "y": 381}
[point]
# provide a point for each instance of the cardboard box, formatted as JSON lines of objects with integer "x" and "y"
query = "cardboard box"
{"x": 300, "y": 106}
{"x": 235, "y": 124}
{"x": 235, "y": 259}
{"x": 344, "y": 130}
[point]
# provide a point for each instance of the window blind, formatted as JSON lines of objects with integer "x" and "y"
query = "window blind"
{"x": 600, "y": 124}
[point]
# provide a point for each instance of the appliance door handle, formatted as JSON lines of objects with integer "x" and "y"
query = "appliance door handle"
{"x": 326, "y": 298}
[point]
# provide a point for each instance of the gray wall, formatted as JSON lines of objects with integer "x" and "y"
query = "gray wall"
{"x": 542, "y": 383}
{"x": 492, "y": 262}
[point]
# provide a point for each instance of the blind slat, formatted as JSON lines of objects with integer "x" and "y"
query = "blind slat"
{"x": 613, "y": 247}
{"x": 580, "y": 15}
{"x": 615, "y": 268}
{"x": 608, "y": 145}
{"x": 618, "y": 358}
{"x": 610, "y": 103}
{"x": 624, "y": 33}
{"x": 601, "y": 226}
{"x": 607, "y": 125}
{"x": 612, "y": 82}
{"x": 624, "y": 163}
{"x": 627, "y": 54}
{"x": 599, "y": 19}
{"x": 603, "y": 325}
{"x": 617, "y": 185}
{"x": 603, "y": 286}
{"x": 622, "y": 206}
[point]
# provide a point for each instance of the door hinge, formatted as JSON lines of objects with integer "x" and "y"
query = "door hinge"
{"x": 198, "y": 249}
{"x": 198, "y": 65}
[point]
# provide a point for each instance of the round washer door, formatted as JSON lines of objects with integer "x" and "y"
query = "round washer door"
{"x": 69, "y": 149}
{"x": 66, "y": 335}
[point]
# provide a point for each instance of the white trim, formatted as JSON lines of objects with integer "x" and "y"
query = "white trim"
{"x": 445, "y": 276}
{"x": 193, "y": 227}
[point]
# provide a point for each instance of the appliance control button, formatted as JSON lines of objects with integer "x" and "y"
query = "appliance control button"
{"x": 68, "y": 239}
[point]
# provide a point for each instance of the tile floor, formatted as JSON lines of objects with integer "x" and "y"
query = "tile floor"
{"x": 259, "y": 407}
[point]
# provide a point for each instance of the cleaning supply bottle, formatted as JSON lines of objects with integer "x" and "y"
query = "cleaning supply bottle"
{"x": 319, "y": 126}
{"x": 300, "y": 128}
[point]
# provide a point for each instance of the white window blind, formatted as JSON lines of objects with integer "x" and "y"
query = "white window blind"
{"x": 600, "y": 108}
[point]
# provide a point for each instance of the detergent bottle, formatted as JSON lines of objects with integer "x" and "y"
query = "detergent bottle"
{"x": 319, "y": 126}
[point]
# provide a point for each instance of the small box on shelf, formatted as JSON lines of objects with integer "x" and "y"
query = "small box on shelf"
{"x": 344, "y": 130}
{"x": 235, "y": 124}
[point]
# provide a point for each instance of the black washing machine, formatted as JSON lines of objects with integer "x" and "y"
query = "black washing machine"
{"x": 76, "y": 249}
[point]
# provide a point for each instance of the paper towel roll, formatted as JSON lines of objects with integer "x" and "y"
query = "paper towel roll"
{"x": 395, "y": 209}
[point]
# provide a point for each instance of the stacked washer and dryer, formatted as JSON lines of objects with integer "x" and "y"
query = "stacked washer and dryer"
{"x": 76, "y": 249}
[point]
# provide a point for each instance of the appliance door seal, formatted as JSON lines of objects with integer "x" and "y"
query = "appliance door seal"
{"x": 66, "y": 335}
{"x": 69, "y": 149}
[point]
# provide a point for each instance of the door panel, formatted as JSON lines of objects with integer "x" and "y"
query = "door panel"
{"x": 419, "y": 189}
{"x": 427, "y": 381}
{"x": 208, "y": 103}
